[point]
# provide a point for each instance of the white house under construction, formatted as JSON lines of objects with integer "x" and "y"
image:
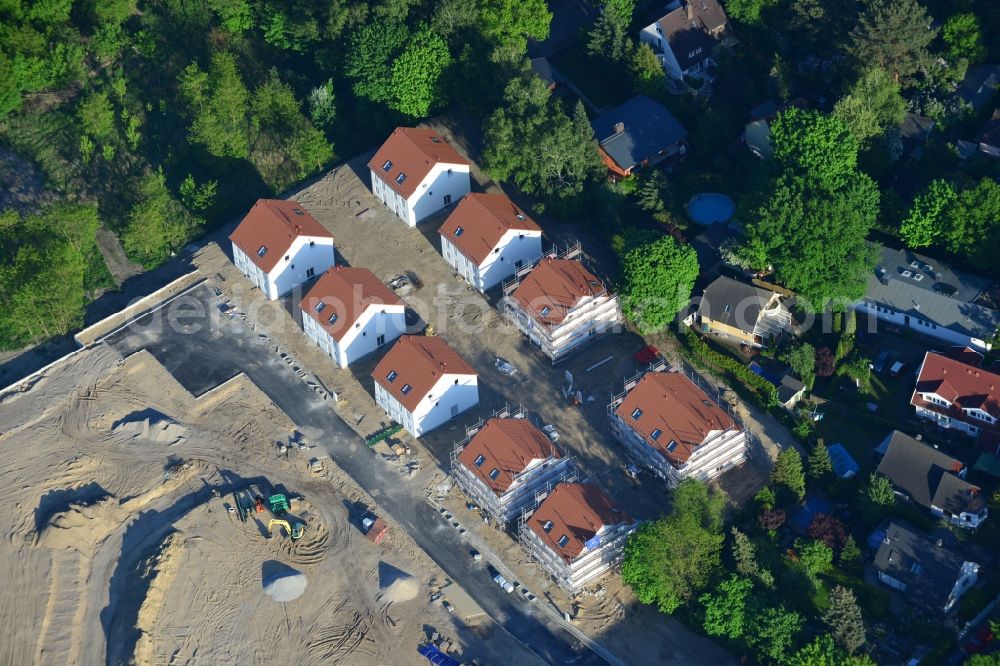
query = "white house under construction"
{"x": 559, "y": 304}
{"x": 577, "y": 534}
{"x": 508, "y": 464}
{"x": 671, "y": 426}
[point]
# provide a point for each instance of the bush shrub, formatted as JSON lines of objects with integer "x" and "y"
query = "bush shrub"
{"x": 763, "y": 388}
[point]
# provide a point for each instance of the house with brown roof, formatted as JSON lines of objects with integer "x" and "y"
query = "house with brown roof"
{"x": 560, "y": 305}
{"x": 423, "y": 383}
{"x": 487, "y": 238}
{"x": 669, "y": 425}
{"x": 577, "y": 534}
{"x": 958, "y": 396}
{"x": 279, "y": 246}
{"x": 506, "y": 463}
{"x": 416, "y": 173}
{"x": 742, "y": 312}
{"x": 687, "y": 37}
{"x": 349, "y": 314}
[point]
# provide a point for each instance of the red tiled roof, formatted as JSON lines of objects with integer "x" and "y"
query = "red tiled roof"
{"x": 274, "y": 224}
{"x": 419, "y": 361}
{"x": 674, "y": 405}
{"x": 413, "y": 152}
{"x": 483, "y": 219}
{"x": 558, "y": 285}
{"x": 508, "y": 446}
{"x": 965, "y": 386}
{"x": 577, "y": 511}
{"x": 345, "y": 292}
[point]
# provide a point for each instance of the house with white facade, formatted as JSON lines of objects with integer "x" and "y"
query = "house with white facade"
{"x": 350, "y": 314}
{"x": 279, "y": 246}
{"x": 669, "y": 425}
{"x": 959, "y": 397}
{"x": 576, "y": 534}
{"x": 912, "y": 291}
{"x": 686, "y": 38}
{"x": 934, "y": 480}
{"x": 416, "y": 173}
{"x": 422, "y": 383}
{"x": 486, "y": 238}
{"x": 927, "y": 573}
{"x": 508, "y": 464}
{"x": 560, "y": 305}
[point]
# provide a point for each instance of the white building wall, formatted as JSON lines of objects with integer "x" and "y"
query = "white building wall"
{"x": 393, "y": 408}
{"x": 387, "y": 322}
{"x": 966, "y": 579}
{"x": 721, "y": 451}
{"x": 452, "y": 395}
{"x": 251, "y": 270}
{"x": 652, "y": 35}
{"x": 461, "y": 263}
{"x": 589, "y": 319}
{"x": 306, "y": 252}
{"x": 443, "y": 186}
{"x": 515, "y": 248}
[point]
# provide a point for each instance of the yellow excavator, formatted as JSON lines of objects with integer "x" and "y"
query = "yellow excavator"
{"x": 295, "y": 531}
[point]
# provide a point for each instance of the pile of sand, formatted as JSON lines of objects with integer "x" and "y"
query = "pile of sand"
{"x": 396, "y": 586}
{"x": 155, "y": 428}
{"x": 285, "y": 586}
{"x": 80, "y": 526}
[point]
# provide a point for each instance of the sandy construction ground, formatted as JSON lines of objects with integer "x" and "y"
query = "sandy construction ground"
{"x": 115, "y": 488}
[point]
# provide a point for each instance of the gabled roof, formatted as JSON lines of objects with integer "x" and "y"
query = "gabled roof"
{"x": 507, "y": 446}
{"x": 689, "y": 28}
{"x": 577, "y": 511}
{"x": 418, "y": 361}
{"x": 929, "y": 571}
{"x": 990, "y": 134}
{"x": 411, "y": 153}
{"x": 979, "y": 84}
{"x": 648, "y": 129}
{"x": 683, "y": 414}
{"x": 915, "y": 128}
{"x": 554, "y": 287}
{"x": 964, "y": 386}
{"x": 269, "y": 229}
{"x": 734, "y": 303}
{"x": 928, "y": 475}
{"x": 547, "y": 72}
{"x": 935, "y": 276}
{"x": 479, "y": 221}
{"x": 342, "y": 295}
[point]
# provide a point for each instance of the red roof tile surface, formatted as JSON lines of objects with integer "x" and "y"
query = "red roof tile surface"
{"x": 274, "y": 224}
{"x": 413, "y": 152}
{"x": 345, "y": 292}
{"x": 674, "y": 405}
{"x": 484, "y": 219}
{"x": 508, "y": 446}
{"x": 419, "y": 361}
{"x": 555, "y": 286}
{"x": 577, "y": 511}
{"x": 965, "y": 386}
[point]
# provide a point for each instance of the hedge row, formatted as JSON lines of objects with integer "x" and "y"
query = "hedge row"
{"x": 765, "y": 389}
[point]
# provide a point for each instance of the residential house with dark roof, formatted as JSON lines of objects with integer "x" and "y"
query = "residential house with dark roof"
{"x": 670, "y": 425}
{"x": 932, "y": 479}
{"x": 559, "y": 305}
{"x": 989, "y": 137}
{"x": 928, "y": 296}
{"x": 423, "y": 383}
{"x": 547, "y": 72}
{"x": 742, "y": 312}
{"x": 416, "y": 173}
{"x": 576, "y": 534}
{"x": 349, "y": 314}
{"x": 507, "y": 465}
{"x": 913, "y": 132}
{"x": 958, "y": 396}
{"x": 790, "y": 388}
{"x": 687, "y": 37}
{"x": 637, "y": 134}
{"x": 487, "y": 238}
{"x": 928, "y": 574}
{"x": 279, "y": 245}
{"x": 979, "y": 85}
{"x": 757, "y": 133}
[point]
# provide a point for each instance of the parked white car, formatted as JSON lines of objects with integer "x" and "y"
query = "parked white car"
{"x": 503, "y": 583}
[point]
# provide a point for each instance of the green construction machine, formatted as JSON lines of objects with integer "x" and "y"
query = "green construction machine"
{"x": 278, "y": 505}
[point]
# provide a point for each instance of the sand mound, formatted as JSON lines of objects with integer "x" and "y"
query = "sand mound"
{"x": 152, "y": 426}
{"x": 285, "y": 584}
{"x": 396, "y": 586}
{"x": 81, "y": 525}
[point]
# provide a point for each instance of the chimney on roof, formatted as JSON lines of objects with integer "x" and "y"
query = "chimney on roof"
{"x": 443, "y": 366}
{"x": 690, "y": 10}
{"x": 939, "y": 542}
{"x": 619, "y": 127}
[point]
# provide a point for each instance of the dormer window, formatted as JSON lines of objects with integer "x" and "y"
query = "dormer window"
{"x": 261, "y": 251}
{"x": 547, "y": 526}
{"x": 480, "y": 459}
{"x": 545, "y": 311}
{"x": 333, "y": 318}
{"x": 636, "y": 413}
{"x": 387, "y": 165}
{"x": 287, "y": 258}
{"x": 672, "y": 445}
{"x": 320, "y": 307}
{"x": 435, "y": 139}
{"x": 520, "y": 216}
{"x": 406, "y": 389}
{"x": 656, "y": 434}
{"x": 459, "y": 231}
{"x": 391, "y": 377}
{"x": 494, "y": 473}
{"x": 400, "y": 178}
{"x": 312, "y": 243}
{"x": 298, "y": 211}
{"x": 563, "y": 540}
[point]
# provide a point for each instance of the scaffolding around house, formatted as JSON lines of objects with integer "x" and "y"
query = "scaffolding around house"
{"x": 572, "y": 252}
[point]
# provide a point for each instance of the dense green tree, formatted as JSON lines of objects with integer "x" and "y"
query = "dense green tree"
{"x": 323, "y": 105}
{"x": 992, "y": 659}
{"x": 816, "y": 147}
{"x": 823, "y": 652}
{"x": 850, "y": 555}
{"x": 788, "y": 472}
{"x": 669, "y": 561}
{"x": 774, "y": 632}
{"x": 218, "y": 101}
{"x": 802, "y": 361}
{"x": 814, "y": 556}
{"x": 922, "y": 225}
{"x": 873, "y": 105}
{"x": 972, "y": 224}
{"x": 647, "y": 73}
{"x": 157, "y": 224}
{"x": 894, "y": 35}
{"x": 609, "y": 36}
{"x": 658, "y": 279}
{"x": 236, "y": 15}
{"x": 10, "y": 89}
{"x": 964, "y": 37}
{"x": 728, "y": 607}
{"x": 819, "y": 460}
{"x": 877, "y": 495}
{"x": 368, "y": 61}
{"x": 843, "y": 619}
{"x": 747, "y": 562}
{"x": 748, "y": 11}
{"x": 453, "y": 15}
{"x": 510, "y": 23}
{"x": 416, "y": 74}
{"x": 197, "y": 197}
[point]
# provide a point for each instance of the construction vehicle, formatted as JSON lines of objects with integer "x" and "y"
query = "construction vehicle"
{"x": 373, "y": 527}
{"x": 295, "y": 532}
{"x": 278, "y": 504}
{"x": 258, "y": 505}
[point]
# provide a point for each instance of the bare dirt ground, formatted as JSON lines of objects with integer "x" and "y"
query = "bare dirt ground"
{"x": 121, "y": 548}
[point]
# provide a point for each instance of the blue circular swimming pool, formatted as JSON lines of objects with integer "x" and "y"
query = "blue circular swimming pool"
{"x": 710, "y": 208}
